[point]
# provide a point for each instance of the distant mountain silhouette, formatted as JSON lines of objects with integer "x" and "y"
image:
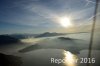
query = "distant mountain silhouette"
{"x": 67, "y": 38}
{"x": 5, "y": 39}
{"x": 23, "y": 36}
{"x": 18, "y": 36}
{"x": 9, "y": 60}
{"x": 48, "y": 34}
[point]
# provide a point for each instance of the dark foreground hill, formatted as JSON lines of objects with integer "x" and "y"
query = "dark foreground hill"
{"x": 5, "y": 39}
{"x": 9, "y": 60}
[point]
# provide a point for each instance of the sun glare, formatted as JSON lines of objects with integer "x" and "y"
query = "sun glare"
{"x": 65, "y": 22}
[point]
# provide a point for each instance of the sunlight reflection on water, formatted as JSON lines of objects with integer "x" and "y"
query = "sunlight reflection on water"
{"x": 70, "y": 59}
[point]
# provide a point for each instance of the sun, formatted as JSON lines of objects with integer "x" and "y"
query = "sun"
{"x": 65, "y": 22}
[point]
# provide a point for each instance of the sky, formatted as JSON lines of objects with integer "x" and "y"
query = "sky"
{"x": 38, "y": 16}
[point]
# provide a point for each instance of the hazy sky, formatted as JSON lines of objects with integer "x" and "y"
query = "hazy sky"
{"x": 37, "y": 16}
